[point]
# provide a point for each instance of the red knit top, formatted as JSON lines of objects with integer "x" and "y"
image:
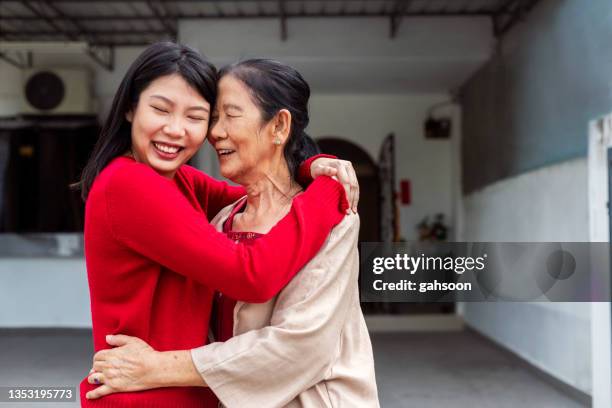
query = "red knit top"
{"x": 154, "y": 261}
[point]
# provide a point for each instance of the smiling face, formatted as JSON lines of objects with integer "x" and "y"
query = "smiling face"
{"x": 169, "y": 124}
{"x": 244, "y": 144}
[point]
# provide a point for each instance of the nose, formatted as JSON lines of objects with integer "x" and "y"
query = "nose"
{"x": 174, "y": 128}
{"x": 217, "y": 131}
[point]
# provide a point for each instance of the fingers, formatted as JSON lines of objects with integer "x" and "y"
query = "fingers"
{"x": 323, "y": 170}
{"x": 100, "y": 366}
{"x": 353, "y": 181}
{"x": 99, "y": 392}
{"x": 95, "y": 378}
{"x": 355, "y": 198}
{"x": 102, "y": 355}
{"x": 344, "y": 179}
{"x": 119, "y": 340}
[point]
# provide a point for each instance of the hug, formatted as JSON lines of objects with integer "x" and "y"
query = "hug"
{"x": 213, "y": 294}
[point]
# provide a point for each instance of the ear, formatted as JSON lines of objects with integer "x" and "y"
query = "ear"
{"x": 129, "y": 116}
{"x": 282, "y": 125}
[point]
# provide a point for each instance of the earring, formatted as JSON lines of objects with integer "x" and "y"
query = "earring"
{"x": 277, "y": 141}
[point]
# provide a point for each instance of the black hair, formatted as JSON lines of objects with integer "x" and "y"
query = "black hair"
{"x": 157, "y": 60}
{"x": 275, "y": 86}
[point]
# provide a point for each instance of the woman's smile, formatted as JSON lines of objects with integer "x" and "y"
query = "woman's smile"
{"x": 167, "y": 151}
{"x": 224, "y": 153}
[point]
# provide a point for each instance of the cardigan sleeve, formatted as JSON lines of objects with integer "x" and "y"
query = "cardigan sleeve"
{"x": 272, "y": 365}
{"x": 149, "y": 215}
{"x": 218, "y": 194}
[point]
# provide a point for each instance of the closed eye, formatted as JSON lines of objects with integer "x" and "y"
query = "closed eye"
{"x": 159, "y": 109}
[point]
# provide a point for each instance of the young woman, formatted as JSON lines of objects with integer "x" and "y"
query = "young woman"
{"x": 308, "y": 346}
{"x": 153, "y": 260}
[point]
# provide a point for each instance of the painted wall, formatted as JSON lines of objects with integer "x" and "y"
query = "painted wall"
{"x": 44, "y": 292}
{"x": 549, "y": 204}
{"x": 529, "y": 106}
{"x": 526, "y": 116}
{"x": 367, "y": 119}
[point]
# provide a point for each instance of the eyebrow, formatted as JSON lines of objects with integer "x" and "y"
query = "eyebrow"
{"x": 201, "y": 108}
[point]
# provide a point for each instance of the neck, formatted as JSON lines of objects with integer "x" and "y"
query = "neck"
{"x": 271, "y": 192}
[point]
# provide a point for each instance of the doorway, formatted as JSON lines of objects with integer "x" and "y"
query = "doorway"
{"x": 367, "y": 175}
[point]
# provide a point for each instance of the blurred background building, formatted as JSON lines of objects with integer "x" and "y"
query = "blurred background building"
{"x": 487, "y": 115}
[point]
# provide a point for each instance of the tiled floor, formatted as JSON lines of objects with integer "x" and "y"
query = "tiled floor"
{"x": 414, "y": 370}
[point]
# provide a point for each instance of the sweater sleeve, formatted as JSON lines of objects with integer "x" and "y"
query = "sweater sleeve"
{"x": 148, "y": 214}
{"x": 272, "y": 365}
{"x": 216, "y": 194}
{"x": 304, "y": 173}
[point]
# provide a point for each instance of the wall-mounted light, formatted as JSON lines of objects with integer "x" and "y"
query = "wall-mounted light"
{"x": 437, "y": 127}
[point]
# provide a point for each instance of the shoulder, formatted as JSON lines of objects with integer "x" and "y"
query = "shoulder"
{"x": 342, "y": 239}
{"x": 347, "y": 228}
{"x": 126, "y": 177}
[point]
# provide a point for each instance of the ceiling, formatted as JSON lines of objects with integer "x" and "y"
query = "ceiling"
{"x": 140, "y": 22}
{"x": 402, "y": 41}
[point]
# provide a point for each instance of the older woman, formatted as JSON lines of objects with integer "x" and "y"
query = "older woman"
{"x": 308, "y": 346}
{"x": 153, "y": 260}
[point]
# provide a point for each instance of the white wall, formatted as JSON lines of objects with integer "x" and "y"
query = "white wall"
{"x": 367, "y": 119}
{"x": 44, "y": 292}
{"x": 548, "y": 204}
{"x": 355, "y": 55}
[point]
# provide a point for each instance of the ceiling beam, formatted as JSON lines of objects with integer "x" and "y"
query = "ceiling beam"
{"x": 509, "y": 14}
{"x": 92, "y": 34}
{"x": 101, "y": 55}
{"x": 16, "y": 62}
{"x": 199, "y": 16}
{"x": 170, "y": 28}
{"x": 399, "y": 10}
{"x": 282, "y": 11}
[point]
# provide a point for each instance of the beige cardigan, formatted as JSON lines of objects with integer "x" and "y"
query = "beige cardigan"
{"x": 307, "y": 347}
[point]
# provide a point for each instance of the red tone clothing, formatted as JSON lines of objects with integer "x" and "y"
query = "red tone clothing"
{"x": 223, "y": 315}
{"x": 154, "y": 261}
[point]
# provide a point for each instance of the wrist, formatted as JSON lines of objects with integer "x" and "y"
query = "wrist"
{"x": 156, "y": 371}
{"x": 175, "y": 369}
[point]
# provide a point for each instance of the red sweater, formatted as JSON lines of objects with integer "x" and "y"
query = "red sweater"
{"x": 154, "y": 261}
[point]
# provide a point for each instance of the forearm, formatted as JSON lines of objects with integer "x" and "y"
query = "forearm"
{"x": 175, "y": 369}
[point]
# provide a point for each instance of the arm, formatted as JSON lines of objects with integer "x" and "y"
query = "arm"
{"x": 264, "y": 367}
{"x": 272, "y": 365}
{"x": 149, "y": 215}
{"x": 132, "y": 365}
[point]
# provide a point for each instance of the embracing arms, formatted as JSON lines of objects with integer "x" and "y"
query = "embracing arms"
{"x": 149, "y": 215}
{"x": 263, "y": 367}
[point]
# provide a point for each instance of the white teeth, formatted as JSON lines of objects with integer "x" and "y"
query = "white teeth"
{"x": 167, "y": 149}
{"x": 225, "y": 151}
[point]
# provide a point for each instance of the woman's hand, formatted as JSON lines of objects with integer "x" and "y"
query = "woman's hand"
{"x": 127, "y": 367}
{"x": 344, "y": 172}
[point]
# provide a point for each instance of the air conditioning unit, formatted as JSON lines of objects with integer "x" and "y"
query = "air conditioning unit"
{"x": 57, "y": 91}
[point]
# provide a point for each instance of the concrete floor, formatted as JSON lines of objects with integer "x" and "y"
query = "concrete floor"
{"x": 414, "y": 370}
